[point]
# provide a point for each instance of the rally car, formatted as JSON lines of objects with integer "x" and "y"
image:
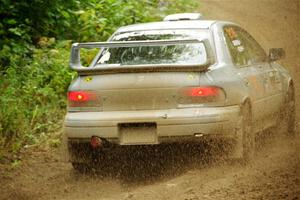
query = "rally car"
{"x": 180, "y": 79}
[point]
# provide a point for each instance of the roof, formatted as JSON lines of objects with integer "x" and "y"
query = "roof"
{"x": 183, "y": 16}
{"x": 182, "y": 24}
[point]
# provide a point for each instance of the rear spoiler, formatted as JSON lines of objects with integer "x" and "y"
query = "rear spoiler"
{"x": 75, "y": 63}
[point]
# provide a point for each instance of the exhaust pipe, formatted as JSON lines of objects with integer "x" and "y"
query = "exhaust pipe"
{"x": 96, "y": 142}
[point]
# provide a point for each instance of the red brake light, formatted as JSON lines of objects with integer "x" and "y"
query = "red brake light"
{"x": 203, "y": 94}
{"x": 81, "y": 96}
{"x": 203, "y": 91}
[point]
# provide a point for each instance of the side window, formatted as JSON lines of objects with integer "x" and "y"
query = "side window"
{"x": 257, "y": 52}
{"x": 243, "y": 48}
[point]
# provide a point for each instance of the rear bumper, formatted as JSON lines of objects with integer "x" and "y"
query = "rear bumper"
{"x": 171, "y": 125}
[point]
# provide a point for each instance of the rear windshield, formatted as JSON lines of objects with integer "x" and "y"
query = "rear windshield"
{"x": 159, "y": 54}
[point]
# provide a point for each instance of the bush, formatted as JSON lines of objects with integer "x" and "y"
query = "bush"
{"x": 33, "y": 96}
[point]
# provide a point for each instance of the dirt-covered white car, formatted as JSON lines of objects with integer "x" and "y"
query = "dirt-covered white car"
{"x": 181, "y": 79}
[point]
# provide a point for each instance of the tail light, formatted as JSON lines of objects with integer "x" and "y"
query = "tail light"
{"x": 83, "y": 99}
{"x": 203, "y": 94}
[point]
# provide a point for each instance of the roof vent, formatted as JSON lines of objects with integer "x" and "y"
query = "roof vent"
{"x": 183, "y": 16}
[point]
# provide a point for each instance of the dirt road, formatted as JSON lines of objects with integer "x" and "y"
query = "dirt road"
{"x": 178, "y": 173}
{"x": 173, "y": 174}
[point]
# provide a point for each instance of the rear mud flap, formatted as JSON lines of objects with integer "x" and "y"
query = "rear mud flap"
{"x": 237, "y": 152}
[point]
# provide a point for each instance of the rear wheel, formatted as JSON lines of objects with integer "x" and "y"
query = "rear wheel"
{"x": 248, "y": 136}
{"x": 82, "y": 156}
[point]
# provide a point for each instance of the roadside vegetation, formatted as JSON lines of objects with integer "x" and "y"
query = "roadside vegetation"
{"x": 35, "y": 40}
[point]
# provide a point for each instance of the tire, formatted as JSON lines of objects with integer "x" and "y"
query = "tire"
{"x": 248, "y": 136}
{"x": 289, "y": 113}
{"x": 82, "y": 157}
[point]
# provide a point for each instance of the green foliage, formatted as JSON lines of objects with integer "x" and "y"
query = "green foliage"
{"x": 15, "y": 164}
{"x": 35, "y": 38}
{"x": 97, "y": 20}
{"x": 54, "y": 142}
{"x": 33, "y": 95}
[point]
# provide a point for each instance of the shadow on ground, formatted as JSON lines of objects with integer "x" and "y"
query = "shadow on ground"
{"x": 147, "y": 164}
{"x": 136, "y": 165}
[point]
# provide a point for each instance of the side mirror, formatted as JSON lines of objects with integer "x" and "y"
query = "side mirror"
{"x": 276, "y": 54}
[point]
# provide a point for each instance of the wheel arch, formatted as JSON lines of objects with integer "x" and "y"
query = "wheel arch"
{"x": 246, "y": 100}
{"x": 290, "y": 84}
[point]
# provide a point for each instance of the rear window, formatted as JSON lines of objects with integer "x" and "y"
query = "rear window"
{"x": 159, "y": 54}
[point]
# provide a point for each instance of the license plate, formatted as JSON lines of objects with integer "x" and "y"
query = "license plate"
{"x": 137, "y": 133}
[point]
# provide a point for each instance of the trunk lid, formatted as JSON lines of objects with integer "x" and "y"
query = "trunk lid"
{"x": 138, "y": 91}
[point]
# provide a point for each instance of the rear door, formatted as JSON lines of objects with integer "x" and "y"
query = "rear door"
{"x": 250, "y": 61}
{"x": 271, "y": 77}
